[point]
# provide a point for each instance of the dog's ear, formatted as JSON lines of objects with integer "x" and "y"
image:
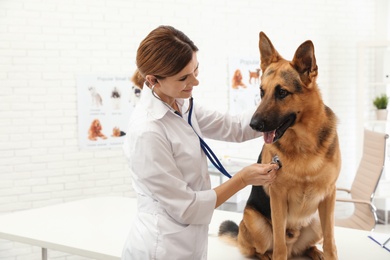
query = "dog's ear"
{"x": 268, "y": 53}
{"x": 305, "y": 62}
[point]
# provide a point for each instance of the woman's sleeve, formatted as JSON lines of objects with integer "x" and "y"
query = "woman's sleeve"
{"x": 154, "y": 168}
{"x": 226, "y": 127}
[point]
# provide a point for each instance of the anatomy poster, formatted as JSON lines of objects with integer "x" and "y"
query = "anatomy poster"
{"x": 104, "y": 107}
{"x": 244, "y": 78}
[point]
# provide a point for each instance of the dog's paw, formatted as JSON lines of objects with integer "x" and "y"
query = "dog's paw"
{"x": 266, "y": 256}
{"x": 314, "y": 253}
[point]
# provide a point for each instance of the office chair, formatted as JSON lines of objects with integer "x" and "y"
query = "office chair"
{"x": 365, "y": 183}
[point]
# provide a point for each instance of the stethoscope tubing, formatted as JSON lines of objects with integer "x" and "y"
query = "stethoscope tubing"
{"x": 206, "y": 149}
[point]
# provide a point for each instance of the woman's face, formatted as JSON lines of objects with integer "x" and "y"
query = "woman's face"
{"x": 179, "y": 85}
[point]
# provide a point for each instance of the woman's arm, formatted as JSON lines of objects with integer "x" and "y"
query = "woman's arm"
{"x": 156, "y": 174}
{"x": 255, "y": 174}
{"x": 223, "y": 126}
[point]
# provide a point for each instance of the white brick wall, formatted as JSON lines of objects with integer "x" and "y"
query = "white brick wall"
{"x": 45, "y": 44}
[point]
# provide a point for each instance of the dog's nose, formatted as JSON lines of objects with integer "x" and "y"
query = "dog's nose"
{"x": 257, "y": 124}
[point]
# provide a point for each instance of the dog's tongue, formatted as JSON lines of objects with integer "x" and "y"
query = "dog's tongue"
{"x": 269, "y": 137}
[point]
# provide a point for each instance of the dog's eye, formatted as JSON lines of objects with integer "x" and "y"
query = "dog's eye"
{"x": 281, "y": 93}
{"x": 261, "y": 92}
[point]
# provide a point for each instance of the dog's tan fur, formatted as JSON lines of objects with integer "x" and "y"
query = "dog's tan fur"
{"x": 310, "y": 157}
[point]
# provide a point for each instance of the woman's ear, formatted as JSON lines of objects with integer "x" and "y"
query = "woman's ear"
{"x": 151, "y": 80}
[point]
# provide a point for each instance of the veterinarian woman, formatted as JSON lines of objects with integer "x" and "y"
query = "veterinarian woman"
{"x": 169, "y": 168}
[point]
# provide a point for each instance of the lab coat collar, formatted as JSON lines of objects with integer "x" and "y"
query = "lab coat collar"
{"x": 156, "y": 107}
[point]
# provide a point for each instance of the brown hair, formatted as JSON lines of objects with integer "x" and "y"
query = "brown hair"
{"x": 163, "y": 53}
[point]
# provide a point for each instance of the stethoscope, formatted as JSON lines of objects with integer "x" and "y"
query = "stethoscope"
{"x": 206, "y": 149}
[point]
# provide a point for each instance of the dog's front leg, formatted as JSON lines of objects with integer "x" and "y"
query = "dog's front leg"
{"x": 278, "y": 200}
{"x": 326, "y": 209}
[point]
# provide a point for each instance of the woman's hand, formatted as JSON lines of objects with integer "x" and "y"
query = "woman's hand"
{"x": 258, "y": 174}
{"x": 255, "y": 174}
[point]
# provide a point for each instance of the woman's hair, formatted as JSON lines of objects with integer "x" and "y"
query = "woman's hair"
{"x": 163, "y": 53}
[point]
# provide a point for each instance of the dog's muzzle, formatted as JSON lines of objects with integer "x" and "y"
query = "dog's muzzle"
{"x": 272, "y": 130}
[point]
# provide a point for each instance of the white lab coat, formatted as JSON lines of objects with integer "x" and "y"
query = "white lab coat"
{"x": 170, "y": 177}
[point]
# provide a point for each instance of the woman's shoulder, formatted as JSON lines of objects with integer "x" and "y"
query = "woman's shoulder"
{"x": 144, "y": 124}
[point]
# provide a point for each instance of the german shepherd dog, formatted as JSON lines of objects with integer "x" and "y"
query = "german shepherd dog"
{"x": 281, "y": 220}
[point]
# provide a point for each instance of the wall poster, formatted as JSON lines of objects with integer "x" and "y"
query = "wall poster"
{"x": 244, "y": 78}
{"x": 104, "y": 107}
